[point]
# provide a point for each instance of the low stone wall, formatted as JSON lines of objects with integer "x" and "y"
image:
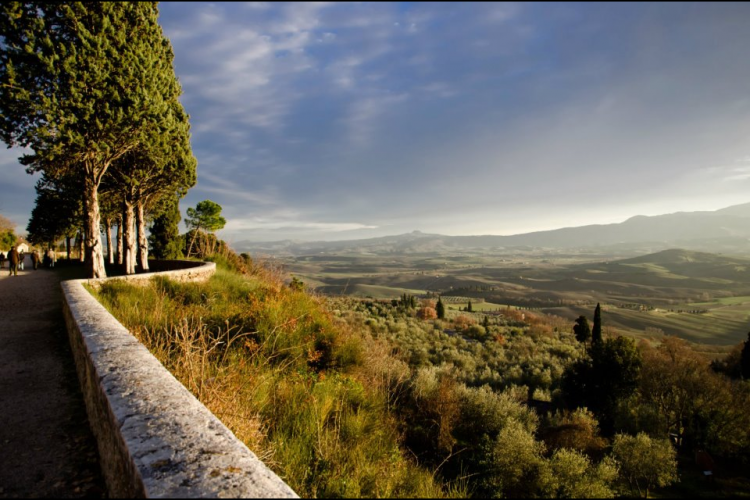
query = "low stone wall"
{"x": 178, "y": 270}
{"x": 155, "y": 438}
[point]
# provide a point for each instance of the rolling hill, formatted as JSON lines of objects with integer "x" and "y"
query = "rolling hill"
{"x": 726, "y": 230}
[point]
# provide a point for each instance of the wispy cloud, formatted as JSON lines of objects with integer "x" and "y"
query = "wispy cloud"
{"x": 739, "y": 170}
{"x": 362, "y": 120}
{"x": 259, "y": 223}
{"x": 246, "y": 70}
{"x": 232, "y": 192}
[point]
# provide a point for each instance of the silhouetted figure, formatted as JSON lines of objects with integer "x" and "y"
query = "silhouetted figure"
{"x": 35, "y": 259}
{"x": 13, "y": 258}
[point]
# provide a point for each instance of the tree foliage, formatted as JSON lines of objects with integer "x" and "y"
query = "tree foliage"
{"x": 645, "y": 462}
{"x": 571, "y": 474}
{"x": 440, "y": 309}
{"x": 165, "y": 239}
{"x": 204, "y": 218}
{"x": 699, "y": 408}
{"x": 596, "y": 331}
{"x": 601, "y": 380}
{"x": 82, "y": 85}
{"x": 57, "y": 211}
{"x": 7, "y": 234}
{"x": 582, "y": 330}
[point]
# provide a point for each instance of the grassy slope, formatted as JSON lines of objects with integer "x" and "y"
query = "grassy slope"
{"x": 299, "y": 390}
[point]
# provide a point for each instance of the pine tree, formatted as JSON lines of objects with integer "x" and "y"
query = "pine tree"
{"x": 596, "y": 331}
{"x": 205, "y": 217}
{"x": 81, "y": 85}
{"x": 440, "y": 308}
{"x": 162, "y": 166}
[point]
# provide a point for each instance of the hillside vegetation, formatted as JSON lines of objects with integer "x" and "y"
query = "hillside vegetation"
{"x": 308, "y": 396}
{"x": 380, "y": 398}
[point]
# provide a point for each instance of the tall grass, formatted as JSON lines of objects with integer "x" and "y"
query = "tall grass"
{"x": 310, "y": 397}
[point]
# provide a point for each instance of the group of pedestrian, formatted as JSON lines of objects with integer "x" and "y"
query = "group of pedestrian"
{"x": 16, "y": 260}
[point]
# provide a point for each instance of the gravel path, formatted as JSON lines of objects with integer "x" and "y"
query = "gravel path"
{"x": 46, "y": 445}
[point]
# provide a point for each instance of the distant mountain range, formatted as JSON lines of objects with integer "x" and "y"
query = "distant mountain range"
{"x": 726, "y": 230}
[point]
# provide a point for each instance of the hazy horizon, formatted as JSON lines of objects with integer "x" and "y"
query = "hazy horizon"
{"x": 341, "y": 121}
{"x": 478, "y": 234}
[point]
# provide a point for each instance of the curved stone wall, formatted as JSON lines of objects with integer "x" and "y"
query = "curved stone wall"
{"x": 155, "y": 438}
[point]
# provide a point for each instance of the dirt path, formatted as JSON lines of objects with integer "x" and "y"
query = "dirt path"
{"x": 46, "y": 445}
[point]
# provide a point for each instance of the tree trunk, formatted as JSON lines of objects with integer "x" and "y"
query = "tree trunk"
{"x": 67, "y": 246}
{"x": 93, "y": 240}
{"x": 192, "y": 241}
{"x": 142, "y": 240}
{"x": 119, "y": 241}
{"x": 128, "y": 238}
{"x": 110, "y": 250}
{"x": 81, "y": 247}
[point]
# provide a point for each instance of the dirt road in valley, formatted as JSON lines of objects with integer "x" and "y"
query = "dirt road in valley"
{"x": 46, "y": 445}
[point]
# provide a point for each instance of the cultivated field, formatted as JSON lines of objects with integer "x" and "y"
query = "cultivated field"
{"x": 702, "y": 297}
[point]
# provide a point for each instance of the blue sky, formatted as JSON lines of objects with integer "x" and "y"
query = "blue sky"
{"x": 320, "y": 121}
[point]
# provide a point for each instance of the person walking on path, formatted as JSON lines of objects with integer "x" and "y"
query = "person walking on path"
{"x": 21, "y": 259}
{"x": 13, "y": 259}
{"x": 35, "y": 258}
{"x": 51, "y": 257}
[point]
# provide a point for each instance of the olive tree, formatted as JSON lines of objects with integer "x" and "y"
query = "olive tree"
{"x": 644, "y": 462}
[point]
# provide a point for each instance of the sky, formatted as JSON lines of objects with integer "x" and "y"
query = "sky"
{"x": 330, "y": 121}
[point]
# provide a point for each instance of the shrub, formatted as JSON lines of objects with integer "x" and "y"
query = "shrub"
{"x": 426, "y": 313}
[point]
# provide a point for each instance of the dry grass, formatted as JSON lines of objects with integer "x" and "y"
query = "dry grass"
{"x": 307, "y": 394}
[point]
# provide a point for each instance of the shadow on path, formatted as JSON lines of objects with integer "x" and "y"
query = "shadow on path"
{"x": 46, "y": 445}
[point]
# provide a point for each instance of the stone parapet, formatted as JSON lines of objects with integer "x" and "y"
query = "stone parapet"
{"x": 177, "y": 270}
{"x": 155, "y": 438}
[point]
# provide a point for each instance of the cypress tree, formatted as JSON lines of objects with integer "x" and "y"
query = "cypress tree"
{"x": 596, "y": 331}
{"x": 440, "y": 308}
{"x": 468, "y": 307}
